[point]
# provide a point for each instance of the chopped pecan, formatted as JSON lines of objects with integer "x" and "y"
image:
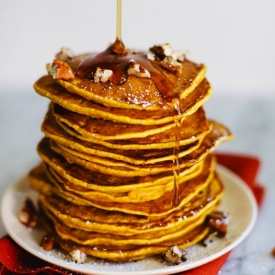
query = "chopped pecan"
{"x": 169, "y": 60}
{"x": 161, "y": 51}
{"x": 219, "y": 221}
{"x": 28, "y": 215}
{"x": 78, "y": 256}
{"x": 170, "y": 64}
{"x": 102, "y": 75}
{"x": 137, "y": 70}
{"x": 174, "y": 255}
{"x": 60, "y": 70}
{"x": 48, "y": 242}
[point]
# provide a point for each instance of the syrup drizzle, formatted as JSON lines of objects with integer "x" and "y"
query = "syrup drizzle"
{"x": 176, "y": 151}
{"x": 117, "y": 58}
{"x": 118, "y": 20}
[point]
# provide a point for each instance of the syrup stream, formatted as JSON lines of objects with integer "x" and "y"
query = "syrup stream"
{"x": 176, "y": 150}
{"x": 118, "y": 20}
{"x": 116, "y": 58}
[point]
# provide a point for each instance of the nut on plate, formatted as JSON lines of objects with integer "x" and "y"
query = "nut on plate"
{"x": 47, "y": 242}
{"x": 28, "y": 215}
{"x": 78, "y": 256}
{"x": 174, "y": 255}
{"x": 219, "y": 221}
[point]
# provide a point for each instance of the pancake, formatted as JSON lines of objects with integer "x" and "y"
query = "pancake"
{"x": 127, "y": 165}
{"x": 130, "y": 237}
{"x": 107, "y": 166}
{"x": 165, "y": 139}
{"x": 158, "y": 141}
{"x": 126, "y": 253}
{"x": 91, "y": 129}
{"x": 136, "y": 98}
{"x": 110, "y": 198}
{"x": 47, "y": 87}
{"x": 104, "y": 129}
{"x": 120, "y": 168}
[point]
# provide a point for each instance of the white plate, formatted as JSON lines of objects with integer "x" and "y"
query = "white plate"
{"x": 238, "y": 200}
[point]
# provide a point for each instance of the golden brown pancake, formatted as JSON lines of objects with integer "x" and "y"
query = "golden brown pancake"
{"x": 47, "y": 87}
{"x": 142, "y": 93}
{"x": 127, "y": 166}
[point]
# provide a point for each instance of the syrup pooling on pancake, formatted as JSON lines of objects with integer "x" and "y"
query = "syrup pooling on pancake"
{"x": 120, "y": 62}
{"x": 127, "y": 169}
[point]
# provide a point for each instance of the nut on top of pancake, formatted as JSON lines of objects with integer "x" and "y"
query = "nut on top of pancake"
{"x": 128, "y": 79}
{"x": 127, "y": 166}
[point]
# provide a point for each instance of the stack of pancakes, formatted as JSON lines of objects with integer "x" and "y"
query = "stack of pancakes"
{"x": 127, "y": 169}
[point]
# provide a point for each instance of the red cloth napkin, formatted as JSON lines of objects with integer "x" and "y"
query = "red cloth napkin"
{"x": 14, "y": 260}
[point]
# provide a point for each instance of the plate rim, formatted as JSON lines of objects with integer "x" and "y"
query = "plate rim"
{"x": 221, "y": 170}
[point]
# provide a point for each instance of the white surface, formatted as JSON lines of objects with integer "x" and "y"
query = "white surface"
{"x": 235, "y": 39}
{"x": 238, "y": 201}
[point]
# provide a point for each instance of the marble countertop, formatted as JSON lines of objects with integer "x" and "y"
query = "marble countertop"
{"x": 252, "y": 120}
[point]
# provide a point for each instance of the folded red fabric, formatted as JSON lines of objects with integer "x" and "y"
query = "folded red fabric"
{"x": 14, "y": 260}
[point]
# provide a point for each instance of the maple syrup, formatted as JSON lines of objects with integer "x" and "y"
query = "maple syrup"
{"x": 117, "y": 59}
{"x": 118, "y": 20}
{"x": 176, "y": 151}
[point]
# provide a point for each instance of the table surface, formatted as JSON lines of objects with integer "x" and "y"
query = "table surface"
{"x": 252, "y": 120}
